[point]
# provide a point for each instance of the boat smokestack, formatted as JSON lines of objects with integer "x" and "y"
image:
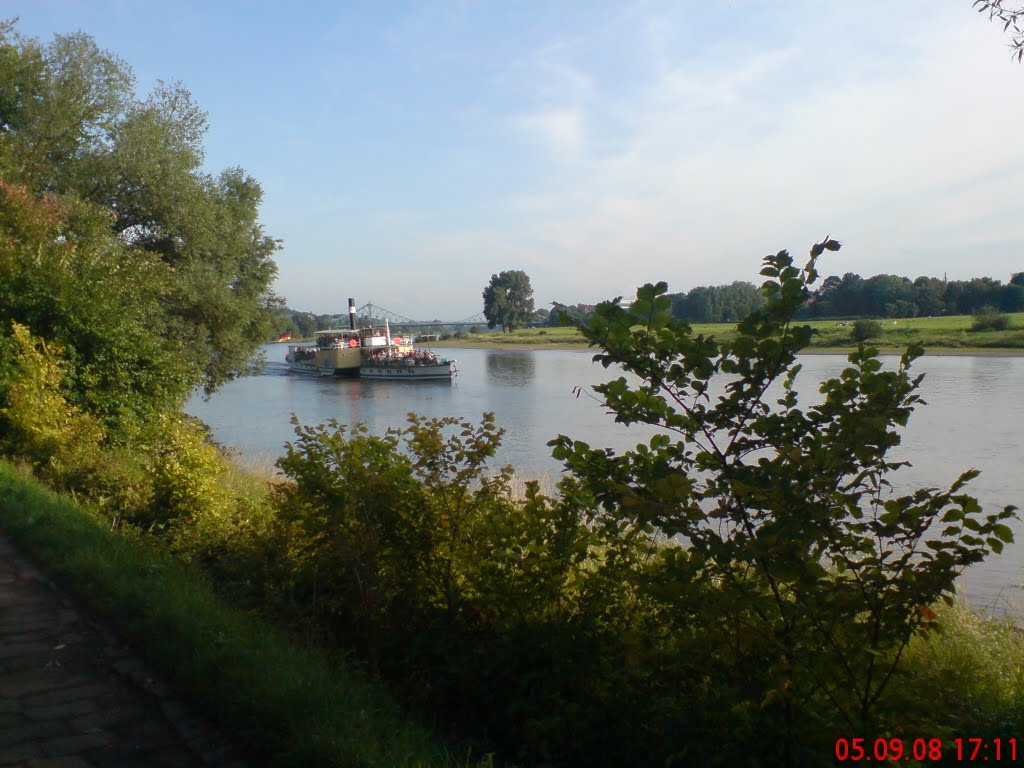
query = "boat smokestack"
{"x": 352, "y": 314}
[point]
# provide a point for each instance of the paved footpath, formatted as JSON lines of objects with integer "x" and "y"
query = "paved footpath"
{"x": 72, "y": 696}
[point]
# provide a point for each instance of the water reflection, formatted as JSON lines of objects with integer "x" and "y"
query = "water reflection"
{"x": 510, "y": 369}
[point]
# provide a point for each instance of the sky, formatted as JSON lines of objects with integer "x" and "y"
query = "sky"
{"x": 409, "y": 150}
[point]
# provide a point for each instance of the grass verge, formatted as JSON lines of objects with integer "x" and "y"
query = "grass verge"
{"x": 294, "y": 704}
{"x": 971, "y": 668}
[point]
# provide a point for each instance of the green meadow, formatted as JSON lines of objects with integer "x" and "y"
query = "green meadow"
{"x": 951, "y": 333}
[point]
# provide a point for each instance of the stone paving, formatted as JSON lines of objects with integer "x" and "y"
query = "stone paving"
{"x": 72, "y": 696}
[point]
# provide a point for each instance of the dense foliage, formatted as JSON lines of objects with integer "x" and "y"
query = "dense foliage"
{"x": 508, "y": 300}
{"x": 893, "y": 296}
{"x": 774, "y": 617}
{"x": 717, "y": 303}
{"x": 854, "y": 296}
{"x": 71, "y": 282}
{"x": 297, "y": 324}
{"x": 820, "y": 575}
{"x": 568, "y": 314}
{"x": 865, "y": 329}
{"x": 109, "y": 189}
{"x": 990, "y": 319}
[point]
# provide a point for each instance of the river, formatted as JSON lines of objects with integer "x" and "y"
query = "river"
{"x": 974, "y": 418}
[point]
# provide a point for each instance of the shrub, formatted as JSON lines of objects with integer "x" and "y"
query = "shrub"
{"x": 815, "y": 578}
{"x": 407, "y": 546}
{"x": 990, "y": 319}
{"x": 356, "y": 536}
{"x": 184, "y": 471}
{"x": 864, "y": 329}
{"x": 39, "y": 424}
{"x": 73, "y": 284}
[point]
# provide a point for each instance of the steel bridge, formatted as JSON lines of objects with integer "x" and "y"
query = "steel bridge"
{"x": 396, "y": 320}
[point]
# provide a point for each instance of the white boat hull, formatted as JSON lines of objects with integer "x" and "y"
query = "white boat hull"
{"x": 401, "y": 372}
{"x": 310, "y": 368}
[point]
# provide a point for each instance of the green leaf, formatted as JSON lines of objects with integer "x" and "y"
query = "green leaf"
{"x": 1003, "y": 533}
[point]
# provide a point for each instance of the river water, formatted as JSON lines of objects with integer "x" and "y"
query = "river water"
{"x": 974, "y": 418}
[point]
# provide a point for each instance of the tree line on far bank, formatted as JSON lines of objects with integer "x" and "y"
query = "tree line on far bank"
{"x": 881, "y": 296}
{"x": 849, "y": 296}
{"x": 303, "y": 325}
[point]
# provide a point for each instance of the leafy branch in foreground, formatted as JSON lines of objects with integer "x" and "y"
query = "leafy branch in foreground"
{"x": 1012, "y": 18}
{"x": 816, "y": 575}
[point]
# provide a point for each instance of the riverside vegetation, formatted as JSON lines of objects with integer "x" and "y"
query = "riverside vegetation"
{"x": 984, "y": 332}
{"x": 563, "y": 629}
{"x": 740, "y": 590}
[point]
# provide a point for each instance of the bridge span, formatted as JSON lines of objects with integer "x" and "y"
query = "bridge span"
{"x": 373, "y": 313}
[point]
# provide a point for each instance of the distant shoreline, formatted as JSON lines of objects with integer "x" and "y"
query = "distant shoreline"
{"x": 888, "y": 351}
{"x": 929, "y": 351}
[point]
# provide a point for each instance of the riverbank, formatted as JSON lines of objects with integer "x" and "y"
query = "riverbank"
{"x": 74, "y": 694}
{"x": 885, "y": 351}
{"x": 282, "y": 698}
{"x": 951, "y": 335}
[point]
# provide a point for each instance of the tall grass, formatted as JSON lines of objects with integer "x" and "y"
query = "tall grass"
{"x": 965, "y": 677}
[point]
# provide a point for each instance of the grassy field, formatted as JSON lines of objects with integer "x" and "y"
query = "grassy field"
{"x": 939, "y": 334}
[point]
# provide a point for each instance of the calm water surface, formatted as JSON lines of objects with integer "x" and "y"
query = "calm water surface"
{"x": 974, "y": 418}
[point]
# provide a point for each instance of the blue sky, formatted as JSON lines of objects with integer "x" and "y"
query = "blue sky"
{"x": 407, "y": 151}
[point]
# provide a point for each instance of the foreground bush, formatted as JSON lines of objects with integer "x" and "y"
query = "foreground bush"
{"x": 779, "y": 625}
{"x": 488, "y": 608}
{"x": 821, "y": 577}
{"x": 971, "y": 668}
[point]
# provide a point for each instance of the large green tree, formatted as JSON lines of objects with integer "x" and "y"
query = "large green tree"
{"x": 65, "y": 276}
{"x": 508, "y": 300}
{"x": 717, "y": 303}
{"x": 72, "y": 127}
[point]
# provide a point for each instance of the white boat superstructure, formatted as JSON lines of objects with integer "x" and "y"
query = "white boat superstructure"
{"x": 391, "y": 357}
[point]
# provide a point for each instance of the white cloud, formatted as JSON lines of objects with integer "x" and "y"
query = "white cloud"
{"x": 724, "y": 162}
{"x": 560, "y": 131}
{"x": 671, "y": 142}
